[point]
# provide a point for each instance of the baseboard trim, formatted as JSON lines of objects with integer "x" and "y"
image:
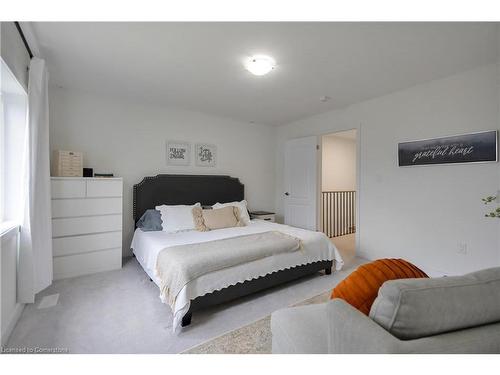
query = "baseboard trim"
{"x": 362, "y": 254}
{"x": 7, "y": 330}
{"x": 430, "y": 271}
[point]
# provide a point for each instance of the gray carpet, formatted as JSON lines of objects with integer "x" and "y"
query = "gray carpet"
{"x": 120, "y": 312}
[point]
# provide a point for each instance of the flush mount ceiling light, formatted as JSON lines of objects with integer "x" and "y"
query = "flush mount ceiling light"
{"x": 260, "y": 65}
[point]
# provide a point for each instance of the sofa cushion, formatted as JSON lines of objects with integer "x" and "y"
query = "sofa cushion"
{"x": 300, "y": 330}
{"x": 415, "y": 308}
{"x": 360, "y": 288}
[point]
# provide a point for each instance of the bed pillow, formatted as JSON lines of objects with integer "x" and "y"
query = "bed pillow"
{"x": 150, "y": 221}
{"x": 216, "y": 218}
{"x": 177, "y": 218}
{"x": 242, "y": 206}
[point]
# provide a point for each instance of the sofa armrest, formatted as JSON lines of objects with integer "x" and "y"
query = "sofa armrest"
{"x": 350, "y": 331}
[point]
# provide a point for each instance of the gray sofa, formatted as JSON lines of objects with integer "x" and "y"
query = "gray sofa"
{"x": 459, "y": 314}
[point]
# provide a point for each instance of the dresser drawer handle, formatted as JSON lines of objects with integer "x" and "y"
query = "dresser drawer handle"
{"x": 267, "y": 219}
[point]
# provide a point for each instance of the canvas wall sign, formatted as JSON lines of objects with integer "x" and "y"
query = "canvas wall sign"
{"x": 466, "y": 148}
{"x": 178, "y": 153}
{"x": 206, "y": 155}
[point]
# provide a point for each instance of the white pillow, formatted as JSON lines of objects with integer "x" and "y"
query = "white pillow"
{"x": 177, "y": 218}
{"x": 244, "y": 217}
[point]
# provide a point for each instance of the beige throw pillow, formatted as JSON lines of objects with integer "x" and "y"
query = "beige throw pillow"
{"x": 218, "y": 218}
{"x": 242, "y": 205}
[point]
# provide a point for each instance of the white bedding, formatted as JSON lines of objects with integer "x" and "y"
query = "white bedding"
{"x": 147, "y": 246}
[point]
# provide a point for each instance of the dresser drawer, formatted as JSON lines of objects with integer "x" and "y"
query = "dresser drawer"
{"x": 104, "y": 188}
{"x": 86, "y": 225}
{"x": 83, "y": 264}
{"x": 86, "y": 207}
{"x": 68, "y": 188}
{"x": 86, "y": 222}
{"x": 87, "y": 243}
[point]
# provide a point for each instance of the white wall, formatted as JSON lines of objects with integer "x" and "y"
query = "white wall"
{"x": 129, "y": 139}
{"x": 338, "y": 165}
{"x": 498, "y": 90}
{"x": 418, "y": 213}
{"x": 13, "y": 52}
{"x": 10, "y": 309}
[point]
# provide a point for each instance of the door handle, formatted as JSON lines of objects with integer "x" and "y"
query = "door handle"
{"x": 287, "y": 193}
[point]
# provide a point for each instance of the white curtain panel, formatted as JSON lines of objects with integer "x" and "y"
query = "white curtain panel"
{"x": 35, "y": 253}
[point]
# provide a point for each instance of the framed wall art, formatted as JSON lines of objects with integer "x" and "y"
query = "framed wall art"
{"x": 466, "y": 148}
{"x": 178, "y": 153}
{"x": 205, "y": 155}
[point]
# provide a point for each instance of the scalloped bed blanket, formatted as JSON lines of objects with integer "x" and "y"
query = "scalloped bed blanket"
{"x": 147, "y": 247}
{"x": 178, "y": 265}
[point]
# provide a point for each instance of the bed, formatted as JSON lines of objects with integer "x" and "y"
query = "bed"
{"x": 223, "y": 285}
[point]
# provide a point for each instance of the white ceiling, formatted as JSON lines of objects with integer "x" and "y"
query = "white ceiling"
{"x": 198, "y": 66}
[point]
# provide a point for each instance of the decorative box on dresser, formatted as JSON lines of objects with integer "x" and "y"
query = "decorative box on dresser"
{"x": 86, "y": 225}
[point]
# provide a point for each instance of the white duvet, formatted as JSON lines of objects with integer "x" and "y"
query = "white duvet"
{"x": 147, "y": 245}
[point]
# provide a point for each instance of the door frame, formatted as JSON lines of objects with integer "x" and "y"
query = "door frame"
{"x": 319, "y": 208}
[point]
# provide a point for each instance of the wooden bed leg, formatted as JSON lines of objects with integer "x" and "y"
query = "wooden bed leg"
{"x": 186, "y": 319}
{"x": 328, "y": 270}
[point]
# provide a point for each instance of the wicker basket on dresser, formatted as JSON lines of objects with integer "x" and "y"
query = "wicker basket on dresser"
{"x": 86, "y": 225}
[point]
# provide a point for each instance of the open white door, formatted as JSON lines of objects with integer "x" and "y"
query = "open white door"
{"x": 301, "y": 178}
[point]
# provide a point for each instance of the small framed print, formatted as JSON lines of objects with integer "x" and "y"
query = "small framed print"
{"x": 178, "y": 153}
{"x": 206, "y": 155}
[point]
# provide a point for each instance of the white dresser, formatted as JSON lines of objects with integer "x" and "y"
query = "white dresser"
{"x": 86, "y": 225}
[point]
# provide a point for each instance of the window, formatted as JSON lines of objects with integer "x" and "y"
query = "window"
{"x": 13, "y": 109}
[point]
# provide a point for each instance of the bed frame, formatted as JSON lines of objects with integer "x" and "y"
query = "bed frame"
{"x": 208, "y": 190}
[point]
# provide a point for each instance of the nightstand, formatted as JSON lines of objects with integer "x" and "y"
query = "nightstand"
{"x": 263, "y": 215}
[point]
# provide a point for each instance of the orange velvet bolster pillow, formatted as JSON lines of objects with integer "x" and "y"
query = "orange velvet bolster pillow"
{"x": 360, "y": 288}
